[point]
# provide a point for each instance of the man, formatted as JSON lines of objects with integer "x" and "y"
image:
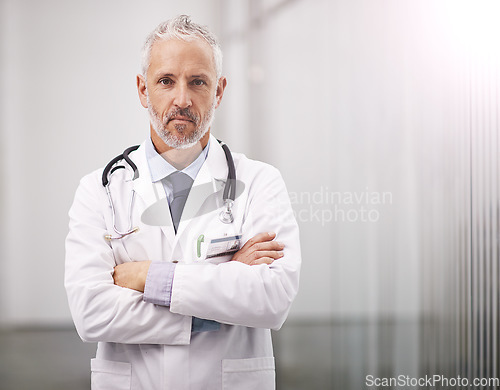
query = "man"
{"x": 180, "y": 303}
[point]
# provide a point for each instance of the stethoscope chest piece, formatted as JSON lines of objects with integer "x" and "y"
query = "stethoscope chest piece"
{"x": 226, "y": 215}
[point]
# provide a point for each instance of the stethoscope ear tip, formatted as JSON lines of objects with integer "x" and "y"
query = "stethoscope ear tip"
{"x": 109, "y": 237}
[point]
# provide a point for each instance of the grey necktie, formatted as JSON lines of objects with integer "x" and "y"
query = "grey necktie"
{"x": 181, "y": 185}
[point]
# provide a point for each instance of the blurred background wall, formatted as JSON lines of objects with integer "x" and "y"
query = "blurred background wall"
{"x": 382, "y": 117}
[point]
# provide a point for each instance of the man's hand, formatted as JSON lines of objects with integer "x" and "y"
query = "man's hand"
{"x": 260, "y": 249}
{"x": 132, "y": 275}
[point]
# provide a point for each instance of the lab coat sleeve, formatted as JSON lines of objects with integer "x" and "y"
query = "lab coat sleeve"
{"x": 258, "y": 296}
{"x": 101, "y": 310}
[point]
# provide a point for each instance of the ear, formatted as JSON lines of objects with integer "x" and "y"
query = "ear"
{"x": 221, "y": 86}
{"x": 141, "y": 90}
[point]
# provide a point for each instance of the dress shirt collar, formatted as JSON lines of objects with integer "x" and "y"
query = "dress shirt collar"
{"x": 161, "y": 168}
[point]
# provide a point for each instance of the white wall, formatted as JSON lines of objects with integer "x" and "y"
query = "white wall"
{"x": 334, "y": 97}
{"x": 68, "y": 105}
{"x": 343, "y": 96}
{"x": 336, "y": 94}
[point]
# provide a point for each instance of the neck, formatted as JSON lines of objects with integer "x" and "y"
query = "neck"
{"x": 179, "y": 158}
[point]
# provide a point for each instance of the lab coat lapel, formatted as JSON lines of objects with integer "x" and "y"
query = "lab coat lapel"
{"x": 143, "y": 186}
{"x": 151, "y": 196}
{"x": 210, "y": 180}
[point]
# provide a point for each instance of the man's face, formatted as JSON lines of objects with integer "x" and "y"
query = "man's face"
{"x": 182, "y": 90}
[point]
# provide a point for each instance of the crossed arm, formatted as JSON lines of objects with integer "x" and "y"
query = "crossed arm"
{"x": 260, "y": 249}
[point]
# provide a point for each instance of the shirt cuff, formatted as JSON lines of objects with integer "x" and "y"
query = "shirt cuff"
{"x": 158, "y": 288}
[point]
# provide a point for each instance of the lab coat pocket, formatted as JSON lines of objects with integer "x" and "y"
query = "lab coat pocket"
{"x": 109, "y": 375}
{"x": 248, "y": 374}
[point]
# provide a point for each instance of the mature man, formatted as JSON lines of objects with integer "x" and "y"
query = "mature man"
{"x": 175, "y": 302}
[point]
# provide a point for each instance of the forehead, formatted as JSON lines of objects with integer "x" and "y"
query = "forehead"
{"x": 177, "y": 56}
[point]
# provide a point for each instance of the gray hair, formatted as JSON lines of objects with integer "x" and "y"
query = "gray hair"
{"x": 181, "y": 27}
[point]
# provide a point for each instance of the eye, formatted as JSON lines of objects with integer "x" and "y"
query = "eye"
{"x": 166, "y": 81}
{"x": 198, "y": 82}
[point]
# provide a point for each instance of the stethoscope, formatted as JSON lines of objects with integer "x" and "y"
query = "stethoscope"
{"x": 228, "y": 196}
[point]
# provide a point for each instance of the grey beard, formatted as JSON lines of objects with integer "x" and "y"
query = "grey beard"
{"x": 183, "y": 141}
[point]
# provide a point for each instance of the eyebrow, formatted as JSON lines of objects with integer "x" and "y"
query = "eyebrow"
{"x": 201, "y": 75}
{"x": 160, "y": 75}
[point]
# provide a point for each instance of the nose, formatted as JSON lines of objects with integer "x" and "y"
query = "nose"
{"x": 182, "y": 96}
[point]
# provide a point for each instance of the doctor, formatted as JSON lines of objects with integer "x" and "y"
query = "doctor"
{"x": 186, "y": 301}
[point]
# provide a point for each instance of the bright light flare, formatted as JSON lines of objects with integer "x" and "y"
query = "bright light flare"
{"x": 473, "y": 25}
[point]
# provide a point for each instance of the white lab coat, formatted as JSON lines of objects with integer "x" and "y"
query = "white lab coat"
{"x": 145, "y": 346}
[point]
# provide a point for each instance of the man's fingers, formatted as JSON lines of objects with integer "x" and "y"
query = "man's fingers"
{"x": 268, "y": 246}
{"x": 271, "y": 254}
{"x": 260, "y": 249}
{"x": 131, "y": 274}
{"x": 262, "y": 260}
{"x": 261, "y": 237}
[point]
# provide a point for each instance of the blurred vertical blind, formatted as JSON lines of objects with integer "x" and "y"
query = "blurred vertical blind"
{"x": 383, "y": 98}
{"x": 460, "y": 194}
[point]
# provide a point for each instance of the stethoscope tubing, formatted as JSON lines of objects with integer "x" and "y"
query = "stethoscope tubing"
{"x": 110, "y": 168}
{"x": 230, "y": 187}
{"x": 229, "y": 194}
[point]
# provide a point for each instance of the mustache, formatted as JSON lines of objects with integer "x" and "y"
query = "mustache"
{"x": 185, "y": 112}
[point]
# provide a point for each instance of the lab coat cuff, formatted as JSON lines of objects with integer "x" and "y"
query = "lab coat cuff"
{"x": 158, "y": 288}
